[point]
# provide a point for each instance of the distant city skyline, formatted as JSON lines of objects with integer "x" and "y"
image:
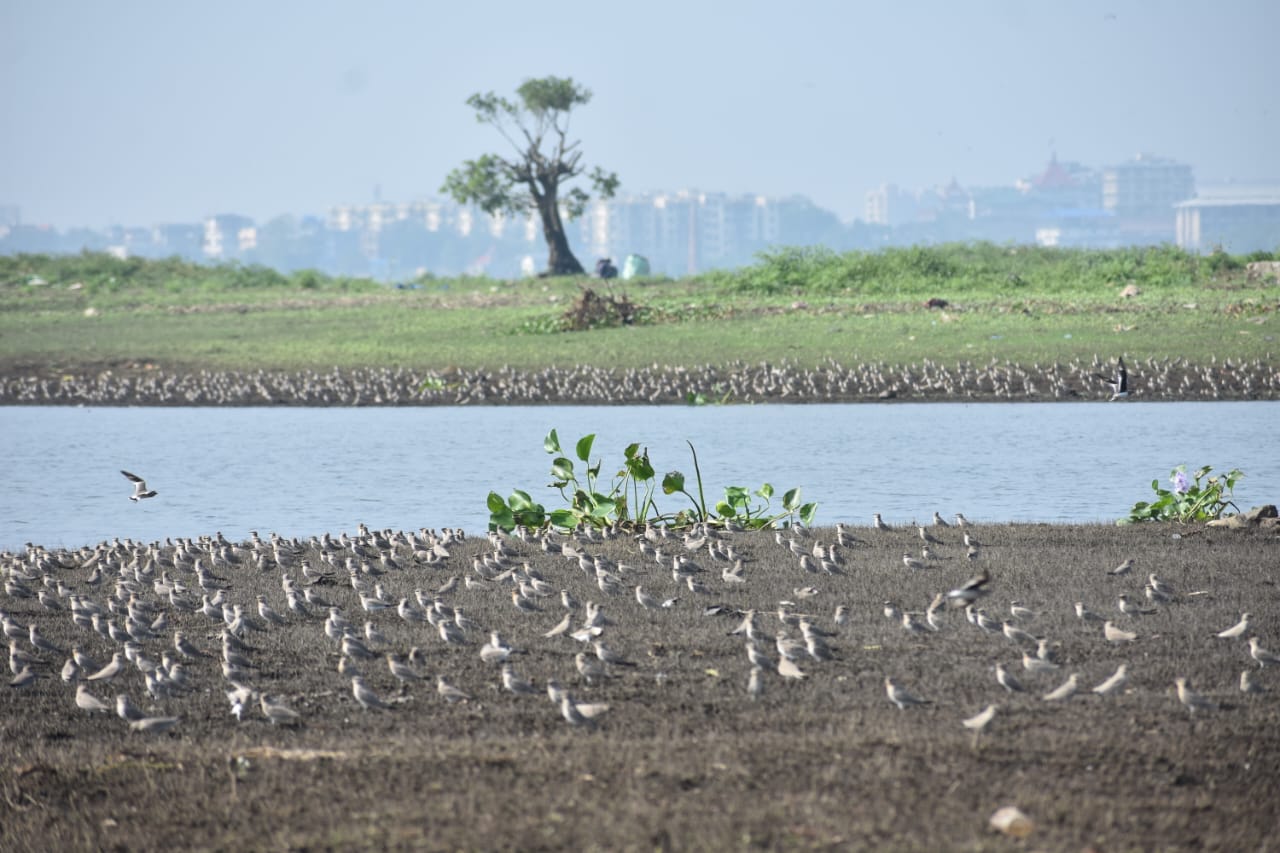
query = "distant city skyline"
{"x": 1144, "y": 201}
{"x": 150, "y": 112}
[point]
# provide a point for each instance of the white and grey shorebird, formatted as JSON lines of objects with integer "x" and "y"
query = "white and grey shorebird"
{"x": 1064, "y": 691}
{"x": 450, "y": 693}
{"x": 938, "y": 521}
{"x": 927, "y": 537}
{"x": 1191, "y": 699}
{"x": 239, "y": 697}
{"x": 1247, "y": 684}
{"x": 900, "y": 696}
{"x": 38, "y": 641}
{"x": 1013, "y": 632}
{"x": 126, "y": 710}
{"x": 1128, "y": 608}
{"x": 1117, "y": 635}
{"x": 911, "y": 562}
{"x": 1119, "y": 381}
{"x": 277, "y": 712}
{"x": 86, "y": 701}
{"x": 184, "y": 647}
{"x": 1113, "y": 683}
{"x": 1033, "y": 664}
{"x": 110, "y": 671}
{"x": 645, "y": 600}
{"x": 980, "y": 720}
{"x": 153, "y": 725}
{"x": 496, "y": 650}
{"x": 1087, "y": 615}
{"x": 591, "y": 669}
{"x": 787, "y": 668}
{"x": 561, "y": 627}
{"x": 366, "y": 697}
{"x": 1236, "y": 630}
{"x": 515, "y": 683}
{"x": 1161, "y": 586}
{"x": 608, "y": 655}
{"x": 140, "y": 490}
{"x": 1122, "y": 569}
{"x": 1261, "y": 655}
{"x": 1007, "y": 680}
{"x": 1020, "y": 612}
{"x": 580, "y": 713}
{"x": 759, "y": 660}
{"x": 401, "y": 669}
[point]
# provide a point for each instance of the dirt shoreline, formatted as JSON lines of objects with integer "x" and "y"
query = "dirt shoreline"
{"x": 684, "y": 758}
{"x": 144, "y": 384}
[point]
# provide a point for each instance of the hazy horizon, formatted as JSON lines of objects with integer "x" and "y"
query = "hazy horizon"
{"x": 150, "y": 112}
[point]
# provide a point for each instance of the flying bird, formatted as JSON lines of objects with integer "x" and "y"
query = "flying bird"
{"x": 140, "y": 490}
{"x": 971, "y": 590}
{"x": 1119, "y": 382}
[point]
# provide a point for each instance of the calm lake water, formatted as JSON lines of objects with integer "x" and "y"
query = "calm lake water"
{"x": 305, "y": 471}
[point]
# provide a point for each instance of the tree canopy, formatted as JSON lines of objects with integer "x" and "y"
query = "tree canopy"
{"x": 533, "y": 178}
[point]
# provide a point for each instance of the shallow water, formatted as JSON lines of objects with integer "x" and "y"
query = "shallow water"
{"x": 304, "y": 471}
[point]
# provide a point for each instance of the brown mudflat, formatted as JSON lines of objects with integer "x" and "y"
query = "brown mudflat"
{"x": 683, "y": 758}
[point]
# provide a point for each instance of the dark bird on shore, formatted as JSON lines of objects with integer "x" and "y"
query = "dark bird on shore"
{"x": 1119, "y": 383}
{"x": 140, "y": 490}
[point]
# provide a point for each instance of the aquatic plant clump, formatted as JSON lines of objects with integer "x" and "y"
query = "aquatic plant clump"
{"x": 1195, "y": 499}
{"x": 630, "y": 496}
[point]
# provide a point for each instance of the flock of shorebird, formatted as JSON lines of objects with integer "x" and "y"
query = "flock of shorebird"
{"x": 147, "y": 606}
{"x": 1161, "y": 379}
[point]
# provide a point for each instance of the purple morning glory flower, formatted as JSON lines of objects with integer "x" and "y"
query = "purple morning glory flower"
{"x": 1180, "y": 482}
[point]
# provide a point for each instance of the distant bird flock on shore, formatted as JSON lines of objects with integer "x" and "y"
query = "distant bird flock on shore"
{"x": 1163, "y": 379}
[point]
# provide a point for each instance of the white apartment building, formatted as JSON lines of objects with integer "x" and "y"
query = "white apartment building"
{"x": 683, "y": 232}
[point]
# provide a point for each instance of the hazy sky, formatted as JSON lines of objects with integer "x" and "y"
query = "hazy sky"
{"x": 146, "y": 112}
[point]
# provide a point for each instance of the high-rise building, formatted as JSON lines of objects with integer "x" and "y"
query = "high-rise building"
{"x": 1141, "y": 194}
{"x": 227, "y": 235}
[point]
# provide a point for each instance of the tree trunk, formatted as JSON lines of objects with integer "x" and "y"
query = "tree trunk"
{"x": 560, "y": 259}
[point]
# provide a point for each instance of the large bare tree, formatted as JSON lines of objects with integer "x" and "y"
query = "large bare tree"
{"x": 536, "y": 125}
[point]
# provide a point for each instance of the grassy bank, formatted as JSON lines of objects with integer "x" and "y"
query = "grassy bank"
{"x": 1024, "y": 305}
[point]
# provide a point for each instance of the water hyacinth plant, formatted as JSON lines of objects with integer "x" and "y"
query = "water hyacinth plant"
{"x": 1190, "y": 499}
{"x": 629, "y": 496}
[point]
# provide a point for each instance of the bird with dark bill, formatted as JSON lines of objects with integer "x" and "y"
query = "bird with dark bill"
{"x": 140, "y": 490}
{"x": 1119, "y": 381}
